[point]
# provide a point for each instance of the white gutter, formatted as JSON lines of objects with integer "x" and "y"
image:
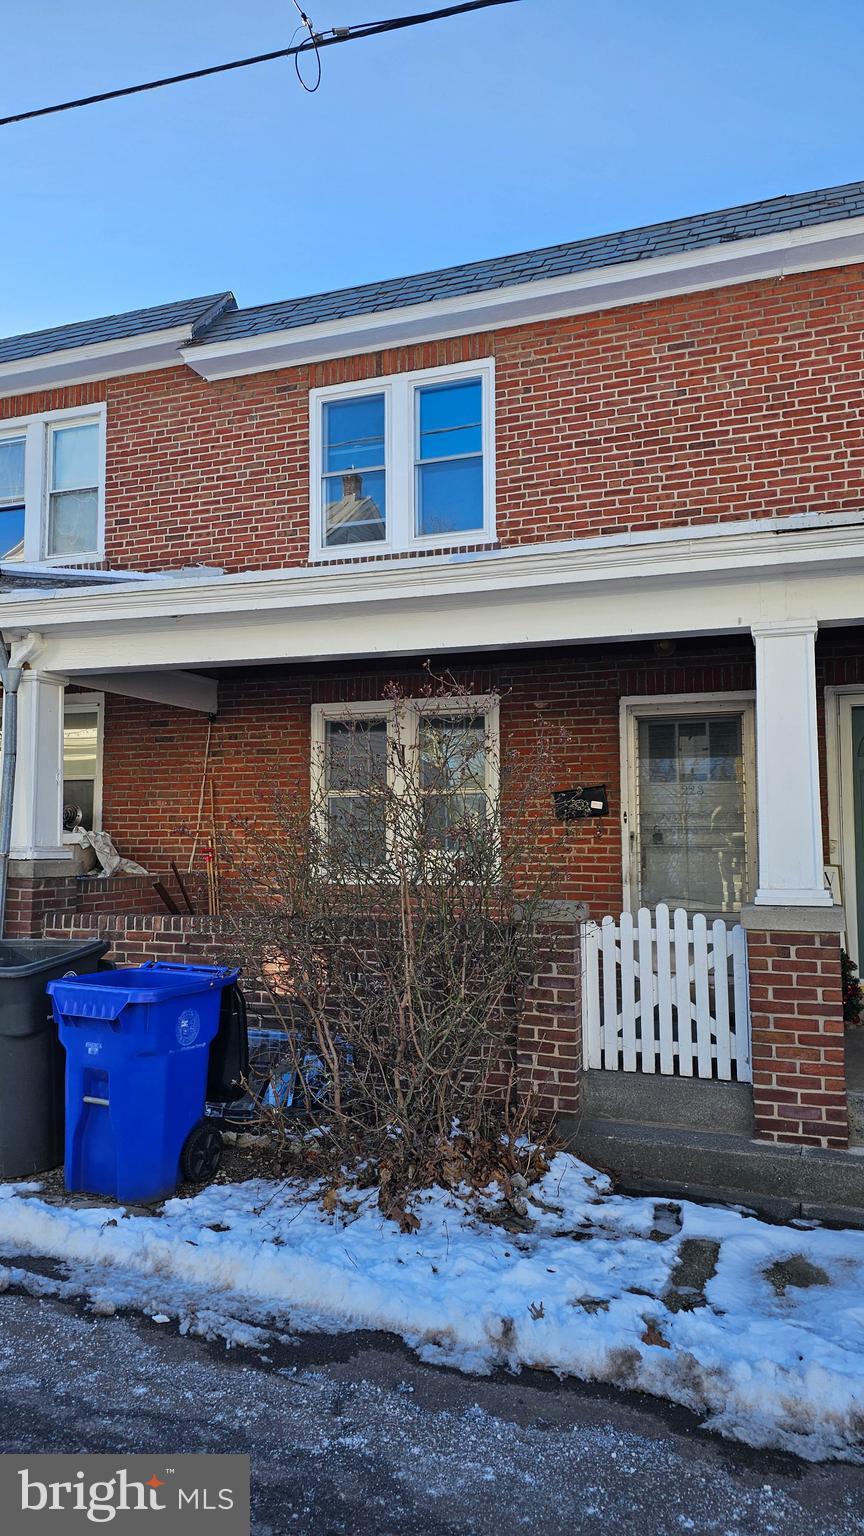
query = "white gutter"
{"x": 836, "y": 243}
{"x": 99, "y": 360}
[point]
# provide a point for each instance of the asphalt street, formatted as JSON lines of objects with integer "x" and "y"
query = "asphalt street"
{"x": 351, "y": 1434}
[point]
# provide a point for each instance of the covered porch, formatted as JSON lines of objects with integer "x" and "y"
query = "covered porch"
{"x": 594, "y": 635}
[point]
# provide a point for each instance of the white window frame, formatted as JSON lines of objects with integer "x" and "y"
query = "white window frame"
{"x": 86, "y": 704}
{"x": 658, "y": 705}
{"x": 399, "y": 391}
{"x": 37, "y": 431}
{"x": 403, "y": 718}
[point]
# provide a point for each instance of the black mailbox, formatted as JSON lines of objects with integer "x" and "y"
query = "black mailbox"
{"x": 581, "y": 803}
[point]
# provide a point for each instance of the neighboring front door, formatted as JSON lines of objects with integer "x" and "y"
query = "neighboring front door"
{"x": 858, "y": 811}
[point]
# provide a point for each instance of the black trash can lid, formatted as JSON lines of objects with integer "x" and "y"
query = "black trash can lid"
{"x": 29, "y": 957}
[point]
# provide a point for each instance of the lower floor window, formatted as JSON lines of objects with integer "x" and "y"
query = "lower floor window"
{"x": 413, "y": 769}
{"x": 81, "y": 754}
{"x": 691, "y": 844}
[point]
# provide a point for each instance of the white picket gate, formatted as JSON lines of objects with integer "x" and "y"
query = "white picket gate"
{"x": 666, "y": 995}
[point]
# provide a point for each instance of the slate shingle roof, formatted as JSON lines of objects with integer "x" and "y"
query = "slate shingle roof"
{"x": 136, "y": 322}
{"x": 777, "y": 215}
{"x": 217, "y": 318}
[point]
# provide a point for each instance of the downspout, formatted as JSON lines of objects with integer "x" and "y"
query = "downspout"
{"x": 10, "y": 677}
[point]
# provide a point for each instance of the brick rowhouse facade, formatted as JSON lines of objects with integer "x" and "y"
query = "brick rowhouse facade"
{"x": 741, "y": 402}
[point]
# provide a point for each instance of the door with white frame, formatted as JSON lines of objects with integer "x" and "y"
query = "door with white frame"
{"x": 689, "y": 803}
{"x": 844, "y": 738}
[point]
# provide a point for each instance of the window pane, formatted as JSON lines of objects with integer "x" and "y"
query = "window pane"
{"x": 75, "y": 457}
{"x": 73, "y": 523}
{"x": 657, "y": 740}
{"x": 453, "y": 752}
{"x": 355, "y": 778}
{"x": 80, "y": 739}
{"x": 354, "y": 433}
{"x": 11, "y": 471}
{"x": 356, "y": 754}
{"x": 452, "y": 776}
{"x": 355, "y": 773}
{"x": 12, "y": 533}
{"x": 448, "y": 818}
{"x": 450, "y": 496}
{"x": 691, "y": 813}
{"x": 356, "y": 829}
{"x": 450, "y": 418}
{"x": 354, "y": 508}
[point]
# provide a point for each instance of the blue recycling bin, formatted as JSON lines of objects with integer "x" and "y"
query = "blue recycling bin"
{"x": 137, "y": 1048}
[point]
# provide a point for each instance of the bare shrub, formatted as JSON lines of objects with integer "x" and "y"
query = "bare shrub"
{"x": 394, "y": 917}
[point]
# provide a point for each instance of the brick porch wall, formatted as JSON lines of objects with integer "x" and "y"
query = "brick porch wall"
{"x": 799, "y": 1072}
{"x": 31, "y": 902}
{"x": 548, "y": 1035}
{"x": 137, "y": 938}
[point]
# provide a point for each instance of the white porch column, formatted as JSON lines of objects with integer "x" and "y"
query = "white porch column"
{"x": 37, "y": 817}
{"x": 791, "y": 865}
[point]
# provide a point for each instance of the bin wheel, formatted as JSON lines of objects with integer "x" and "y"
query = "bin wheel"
{"x": 201, "y": 1157}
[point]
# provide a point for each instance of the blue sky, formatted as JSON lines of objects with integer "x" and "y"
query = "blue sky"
{"x": 516, "y": 127}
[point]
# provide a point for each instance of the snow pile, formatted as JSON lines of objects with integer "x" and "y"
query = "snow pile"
{"x": 758, "y": 1328}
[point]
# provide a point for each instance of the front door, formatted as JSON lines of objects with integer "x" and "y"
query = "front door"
{"x": 689, "y": 817}
{"x": 858, "y": 811}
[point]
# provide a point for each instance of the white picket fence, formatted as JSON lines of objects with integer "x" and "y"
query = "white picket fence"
{"x": 667, "y": 995}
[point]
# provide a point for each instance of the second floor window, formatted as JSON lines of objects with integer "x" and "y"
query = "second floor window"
{"x": 355, "y": 473}
{"x": 52, "y": 486}
{"x": 403, "y": 462}
{"x": 11, "y": 497}
{"x": 73, "y": 489}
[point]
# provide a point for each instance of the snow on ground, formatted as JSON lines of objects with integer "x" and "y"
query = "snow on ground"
{"x": 757, "y": 1328}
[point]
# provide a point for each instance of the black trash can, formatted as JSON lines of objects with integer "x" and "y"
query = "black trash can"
{"x": 32, "y": 1060}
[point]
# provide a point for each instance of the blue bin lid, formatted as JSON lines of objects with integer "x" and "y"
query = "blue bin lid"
{"x": 112, "y": 991}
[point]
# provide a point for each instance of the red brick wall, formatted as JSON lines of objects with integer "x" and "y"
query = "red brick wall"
{"x": 549, "y": 1031}
{"x": 796, "y": 1004}
{"x": 153, "y": 757}
{"x": 547, "y": 1035}
{"x": 28, "y": 901}
{"x": 741, "y": 402}
{"x": 137, "y": 938}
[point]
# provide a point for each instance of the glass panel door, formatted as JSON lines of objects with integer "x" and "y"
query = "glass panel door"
{"x": 692, "y": 845}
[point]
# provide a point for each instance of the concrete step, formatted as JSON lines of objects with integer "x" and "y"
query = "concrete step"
{"x": 780, "y": 1181}
{"x": 691, "y": 1104}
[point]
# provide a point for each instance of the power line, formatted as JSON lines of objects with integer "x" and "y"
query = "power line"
{"x": 314, "y": 42}
{"x": 310, "y": 28}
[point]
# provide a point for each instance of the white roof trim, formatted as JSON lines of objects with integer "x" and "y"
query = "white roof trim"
{"x": 713, "y": 551}
{"x": 837, "y": 243}
{"x": 98, "y": 360}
